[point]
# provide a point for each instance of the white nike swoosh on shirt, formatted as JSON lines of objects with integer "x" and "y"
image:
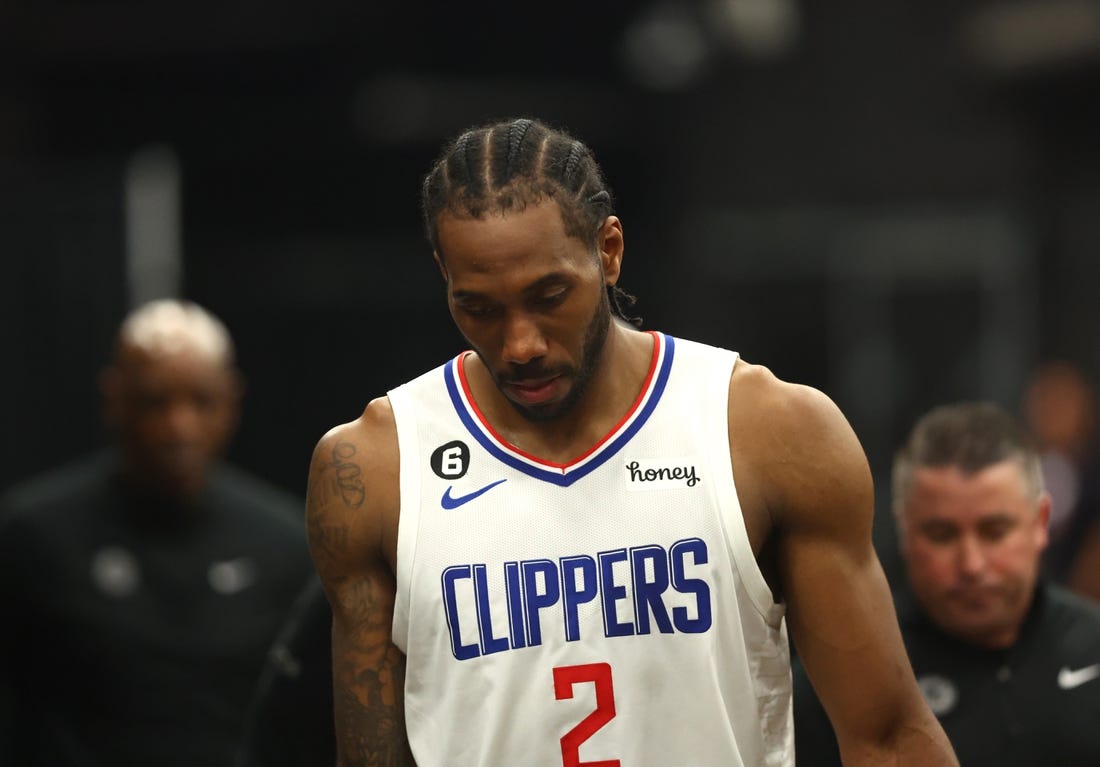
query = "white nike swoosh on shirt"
{"x": 1070, "y": 678}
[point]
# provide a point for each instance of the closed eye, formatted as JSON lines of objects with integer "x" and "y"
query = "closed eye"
{"x": 996, "y": 529}
{"x": 473, "y": 304}
{"x": 939, "y": 533}
{"x": 550, "y": 300}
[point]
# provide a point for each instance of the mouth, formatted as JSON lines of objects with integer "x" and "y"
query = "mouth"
{"x": 179, "y": 460}
{"x": 535, "y": 391}
{"x": 974, "y": 598}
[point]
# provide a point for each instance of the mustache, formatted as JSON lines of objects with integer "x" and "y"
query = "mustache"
{"x": 531, "y": 371}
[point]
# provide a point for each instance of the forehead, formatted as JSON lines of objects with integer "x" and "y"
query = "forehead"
{"x": 182, "y": 365}
{"x": 507, "y": 239}
{"x": 948, "y": 491}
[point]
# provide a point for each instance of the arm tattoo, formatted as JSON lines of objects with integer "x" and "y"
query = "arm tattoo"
{"x": 369, "y": 675}
{"x": 373, "y": 731}
{"x": 327, "y": 543}
{"x": 335, "y": 478}
{"x": 368, "y": 669}
{"x": 348, "y": 475}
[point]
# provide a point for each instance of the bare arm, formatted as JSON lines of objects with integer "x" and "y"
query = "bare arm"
{"x": 351, "y": 514}
{"x": 813, "y": 482}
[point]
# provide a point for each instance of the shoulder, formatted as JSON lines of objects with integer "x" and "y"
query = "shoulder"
{"x": 803, "y": 453}
{"x": 366, "y": 445}
{"x": 1067, "y": 640}
{"x": 64, "y": 490}
{"x": 245, "y": 491}
{"x": 1072, "y": 617}
{"x": 44, "y": 518}
{"x": 352, "y": 497}
{"x": 762, "y": 400}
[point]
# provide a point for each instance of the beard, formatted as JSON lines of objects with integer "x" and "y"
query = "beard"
{"x": 595, "y": 337}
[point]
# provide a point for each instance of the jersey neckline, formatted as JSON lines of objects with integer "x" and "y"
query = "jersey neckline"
{"x": 563, "y": 474}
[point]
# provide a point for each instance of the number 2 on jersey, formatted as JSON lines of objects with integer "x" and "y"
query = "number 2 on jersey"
{"x": 565, "y": 677}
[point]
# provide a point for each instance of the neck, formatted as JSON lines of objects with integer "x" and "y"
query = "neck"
{"x": 616, "y": 383}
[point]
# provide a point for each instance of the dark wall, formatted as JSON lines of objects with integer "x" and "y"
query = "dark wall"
{"x": 747, "y": 192}
{"x": 62, "y": 292}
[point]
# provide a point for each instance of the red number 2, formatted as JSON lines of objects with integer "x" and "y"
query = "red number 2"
{"x": 564, "y": 679}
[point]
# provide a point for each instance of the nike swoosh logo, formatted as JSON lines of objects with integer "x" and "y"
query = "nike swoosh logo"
{"x": 453, "y": 502}
{"x": 1070, "y": 678}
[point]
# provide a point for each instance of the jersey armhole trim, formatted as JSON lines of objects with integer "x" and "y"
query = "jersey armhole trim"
{"x": 730, "y": 511}
{"x": 408, "y": 518}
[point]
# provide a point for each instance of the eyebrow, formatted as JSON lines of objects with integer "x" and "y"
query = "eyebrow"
{"x": 937, "y": 522}
{"x": 548, "y": 280}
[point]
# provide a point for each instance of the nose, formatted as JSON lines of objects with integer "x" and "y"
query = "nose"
{"x": 182, "y": 421}
{"x": 523, "y": 340}
{"x": 971, "y": 557}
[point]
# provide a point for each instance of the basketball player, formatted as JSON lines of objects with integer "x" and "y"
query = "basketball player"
{"x": 1008, "y": 662}
{"x": 537, "y": 553}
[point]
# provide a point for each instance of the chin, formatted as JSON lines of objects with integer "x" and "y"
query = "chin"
{"x": 540, "y": 413}
{"x": 181, "y": 488}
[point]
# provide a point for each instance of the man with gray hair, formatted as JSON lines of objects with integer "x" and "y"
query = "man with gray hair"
{"x": 1009, "y": 663}
{"x": 142, "y": 587}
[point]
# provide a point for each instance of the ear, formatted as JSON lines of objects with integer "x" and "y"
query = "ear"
{"x": 609, "y": 242}
{"x": 439, "y": 263}
{"x": 1043, "y": 511}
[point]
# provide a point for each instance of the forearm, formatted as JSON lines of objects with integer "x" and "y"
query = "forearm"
{"x": 881, "y": 719}
{"x": 916, "y": 744}
{"x": 369, "y": 710}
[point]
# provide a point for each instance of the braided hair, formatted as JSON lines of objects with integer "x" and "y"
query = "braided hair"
{"x": 511, "y": 164}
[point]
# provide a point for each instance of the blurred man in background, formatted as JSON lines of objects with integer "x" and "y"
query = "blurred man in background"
{"x": 1059, "y": 408}
{"x": 142, "y": 587}
{"x": 1009, "y": 663}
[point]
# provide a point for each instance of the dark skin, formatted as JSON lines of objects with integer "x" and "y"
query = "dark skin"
{"x": 354, "y": 546}
{"x": 524, "y": 294}
{"x": 173, "y": 408}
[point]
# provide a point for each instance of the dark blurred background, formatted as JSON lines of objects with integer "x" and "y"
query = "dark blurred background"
{"x": 896, "y": 202}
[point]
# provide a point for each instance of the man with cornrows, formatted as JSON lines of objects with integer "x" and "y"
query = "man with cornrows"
{"x": 537, "y": 553}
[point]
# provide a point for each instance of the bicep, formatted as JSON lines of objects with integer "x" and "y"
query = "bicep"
{"x": 841, "y": 613}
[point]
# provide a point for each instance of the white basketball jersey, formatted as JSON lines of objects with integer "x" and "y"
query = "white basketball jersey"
{"x": 607, "y": 612}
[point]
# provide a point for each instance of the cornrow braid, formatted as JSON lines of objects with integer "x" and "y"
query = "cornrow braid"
{"x": 517, "y": 132}
{"x": 509, "y": 165}
{"x": 573, "y": 161}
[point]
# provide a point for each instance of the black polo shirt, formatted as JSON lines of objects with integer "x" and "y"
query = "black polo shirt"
{"x": 134, "y": 630}
{"x": 1035, "y": 704}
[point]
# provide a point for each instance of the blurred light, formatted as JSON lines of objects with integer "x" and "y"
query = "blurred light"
{"x": 759, "y": 29}
{"x": 1026, "y": 34}
{"x": 665, "y": 48}
{"x": 153, "y": 236}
